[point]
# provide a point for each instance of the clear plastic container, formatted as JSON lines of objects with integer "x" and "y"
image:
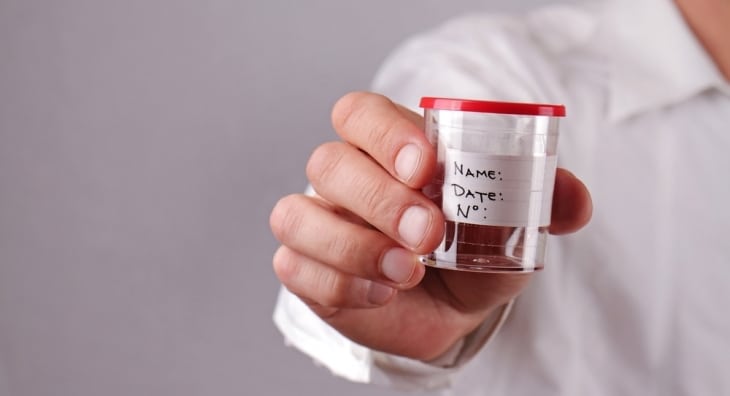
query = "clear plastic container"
{"x": 494, "y": 183}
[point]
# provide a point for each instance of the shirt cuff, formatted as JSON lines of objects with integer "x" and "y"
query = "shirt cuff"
{"x": 304, "y": 330}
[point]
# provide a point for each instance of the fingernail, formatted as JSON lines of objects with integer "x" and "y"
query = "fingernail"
{"x": 398, "y": 265}
{"x": 379, "y": 294}
{"x": 413, "y": 225}
{"x": 407, "y": 160}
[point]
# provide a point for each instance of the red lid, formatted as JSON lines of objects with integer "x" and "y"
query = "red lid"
{"x": 482, "y": 106}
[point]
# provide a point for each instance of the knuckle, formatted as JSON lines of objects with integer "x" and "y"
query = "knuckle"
{"x": 383, "y": 134}
{"x": 342, "y": 247}
{"x": 349, "y": 108}
{"x": 286, "y": 217}
{"x": 357, "y": 111}
{"x": 285, "y": 266}
{"x": 337, "y": 289}
{"x": 376, "y": 199}
{"x": 324, "y": 162}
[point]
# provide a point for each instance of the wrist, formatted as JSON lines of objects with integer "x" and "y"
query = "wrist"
{"x": 469, "y": 345}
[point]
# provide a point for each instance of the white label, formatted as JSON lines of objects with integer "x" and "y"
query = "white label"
{"x": 498, "y": 190}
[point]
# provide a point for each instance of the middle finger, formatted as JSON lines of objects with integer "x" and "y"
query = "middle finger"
{"x": 345, "y": 176}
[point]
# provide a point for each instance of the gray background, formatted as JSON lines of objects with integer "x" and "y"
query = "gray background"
{"x": 142, "y": 146}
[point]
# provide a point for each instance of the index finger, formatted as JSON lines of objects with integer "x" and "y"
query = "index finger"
{"x": 392, "y": 135}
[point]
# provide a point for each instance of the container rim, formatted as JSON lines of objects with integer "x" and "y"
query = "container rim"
{"x": 485, "y": 106}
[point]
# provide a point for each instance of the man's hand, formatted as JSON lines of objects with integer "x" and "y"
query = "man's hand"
{"x": 351, "y": 252}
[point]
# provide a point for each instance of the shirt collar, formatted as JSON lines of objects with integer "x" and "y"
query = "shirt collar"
{"x": 655, "y": 58}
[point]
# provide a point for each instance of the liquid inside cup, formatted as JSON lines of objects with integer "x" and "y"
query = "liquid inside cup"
{"x": 484, "y": 248}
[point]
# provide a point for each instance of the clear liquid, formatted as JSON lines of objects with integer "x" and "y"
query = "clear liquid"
{"x": 480, "y": 248}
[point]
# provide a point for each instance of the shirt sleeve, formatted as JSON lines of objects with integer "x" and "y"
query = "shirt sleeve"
{"x": 305, "y": 331}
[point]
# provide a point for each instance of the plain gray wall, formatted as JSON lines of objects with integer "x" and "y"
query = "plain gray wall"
{"x": 142, "y": 146}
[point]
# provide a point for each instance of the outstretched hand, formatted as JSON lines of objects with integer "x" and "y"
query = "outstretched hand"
{"x": 351, "y": 251}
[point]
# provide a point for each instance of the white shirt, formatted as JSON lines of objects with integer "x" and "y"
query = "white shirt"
{"x": 637, "y": 302}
